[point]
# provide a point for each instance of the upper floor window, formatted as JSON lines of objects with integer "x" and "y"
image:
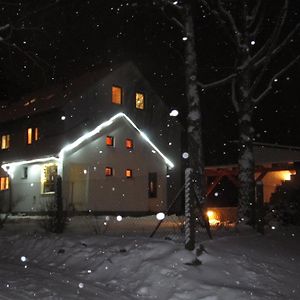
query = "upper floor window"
{"x": 129, "y": 143}
{"x": 4, "y": 183}
{"x": 5, "y": 141}
{"x": 109, "y": 140}
{"x": 32, "y": 135}
{"x": 116, "y": 95}
{"x": 139, "y": 100}
{"x": 108, "y": 171}
{"x": 128, "y": 173}
{"x": 49, "y": 174}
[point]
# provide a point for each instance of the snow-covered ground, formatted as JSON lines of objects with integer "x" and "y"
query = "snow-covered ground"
{"x": 237, "y": 265}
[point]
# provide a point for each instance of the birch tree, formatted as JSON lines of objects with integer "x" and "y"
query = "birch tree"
{"x": 246, "y": 25}
{"x": 181, "y": 14}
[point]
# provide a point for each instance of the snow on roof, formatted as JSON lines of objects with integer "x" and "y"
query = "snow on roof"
{"x": 85, "y": 137}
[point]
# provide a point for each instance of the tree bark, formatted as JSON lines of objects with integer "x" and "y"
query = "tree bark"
{"x": 247, "y": 169}
{"x": 194, "y": 118}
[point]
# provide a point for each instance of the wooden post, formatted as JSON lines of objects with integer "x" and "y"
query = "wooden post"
{"x": 189, "y": 212}
{"x": 260, "y": 222}
{"x": 59, "y": 205}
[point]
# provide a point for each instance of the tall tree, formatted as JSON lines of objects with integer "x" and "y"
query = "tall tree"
{"x": 256, "y": 36}
{"x": 181, "y": 14}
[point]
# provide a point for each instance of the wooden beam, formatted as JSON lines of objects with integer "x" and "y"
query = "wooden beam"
{"x": 212, "y": 186}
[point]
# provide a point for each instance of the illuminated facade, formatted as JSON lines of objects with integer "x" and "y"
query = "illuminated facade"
{"x": 111, "y": 147}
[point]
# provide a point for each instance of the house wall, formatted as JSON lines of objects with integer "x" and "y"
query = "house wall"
{"x": 272, "y": 180}
{"x": 25, "y": 194}
{"x": 86, "y": 103}
{"x": 85, "y": 186}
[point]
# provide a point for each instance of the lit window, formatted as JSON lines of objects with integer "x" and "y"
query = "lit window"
{"x": 129, "y": 143}
{"x": 128, "y": 173}
{"x": 139, "y": 101}
{"x": 49, "y": 173}
{"x": 32, "y": 135}
{"x": 5, "y": 141}
{"x": 109, "y": 140}
{"x": 152, "y": 185}
{"x": 108, "y": 171}
{"x": 116, "y": 95}
{"x": 4, "y": 183}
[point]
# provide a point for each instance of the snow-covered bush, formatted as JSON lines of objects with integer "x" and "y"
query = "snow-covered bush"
{"x": 284, "y": 208}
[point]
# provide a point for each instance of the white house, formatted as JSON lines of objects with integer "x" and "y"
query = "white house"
{"x": 107, "y": 134}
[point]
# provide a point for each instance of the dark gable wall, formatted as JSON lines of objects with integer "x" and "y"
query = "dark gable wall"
{"x": 50, "y": 130}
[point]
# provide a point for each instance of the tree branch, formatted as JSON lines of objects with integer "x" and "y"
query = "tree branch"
{"x": 230, "y": 21}
{"x": 233, "y": 95}
{"x": 272, "y": 43}
{"x": 279, "y": 47}
{"x": 223, "y": 25}
{"x": 277, "y": 75}
{"x": 217, "y": 83}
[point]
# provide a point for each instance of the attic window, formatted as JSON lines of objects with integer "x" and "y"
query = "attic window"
{"x": 128, "y": 173}
{"x": 108, "y": 171}
{"x": 109, "y": 140}
{"x": 5, "y": 139}
{"x": 116, "y": 95}
{"x": 49, "y": 174}
{"x": 4, "y": 183}
{"x": 129, "y": 144}
{"x": 139, "y": 101}
{"x": 32, "y": 135}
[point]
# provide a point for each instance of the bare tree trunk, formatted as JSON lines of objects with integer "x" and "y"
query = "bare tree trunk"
{"x": 247, "y": 168}
{"x": 194, "y": 118}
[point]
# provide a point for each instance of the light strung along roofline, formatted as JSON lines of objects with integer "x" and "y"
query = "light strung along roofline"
{"x": 86, "y": 136}
{"x": 106, "y": 124}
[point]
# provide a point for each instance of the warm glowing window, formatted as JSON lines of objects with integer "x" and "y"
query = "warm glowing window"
{"x": 108, "y": 171}
{"x": 32, "y": 135}
{"x": 4, "y": 183}
{"x": 49, "y": 173}
{"x": 128, "y": 173}
{"x": 109, "y": 140}
{"x": 139, "y": 101}
{"x": 5, "y": 141}
{"x": 129, "y": 143}
{"x": 116, "y": 95}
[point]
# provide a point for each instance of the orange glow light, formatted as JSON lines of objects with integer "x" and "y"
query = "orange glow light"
{"x": 129, "y": 143}
{"x": 109, "y": 141}
{"x": 108, "y": 171}
{"x": 128, "y": 173}
{"x": 212, "y": 218}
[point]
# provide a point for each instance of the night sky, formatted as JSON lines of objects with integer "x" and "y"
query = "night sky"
{"x": 68, "y": 38}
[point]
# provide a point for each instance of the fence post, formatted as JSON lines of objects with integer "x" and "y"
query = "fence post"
{"x": 59, "y": 205}
{"x": 189, "y": 212}
{"x": 260, "y": 222}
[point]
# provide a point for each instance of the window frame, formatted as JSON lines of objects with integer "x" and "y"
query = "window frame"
{"x": 4, "y": 183}
{"x": 117, "y": 87}
{"x": 128, "y": 140}
{"x": 5, "y": 141}
{"x": 43, "y": 179}
{"x": 152, "y": 179}
{"x": 108, "y": 171}
{"x": 143, "y": 94}
{"x": 34, "y": 135}
{"x": 130, "y": 175}
{"x": 112, "y": 143}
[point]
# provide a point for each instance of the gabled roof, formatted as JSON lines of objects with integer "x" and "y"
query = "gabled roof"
{"x": 57, "y": 95}
{"x": 84, "y": 138}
